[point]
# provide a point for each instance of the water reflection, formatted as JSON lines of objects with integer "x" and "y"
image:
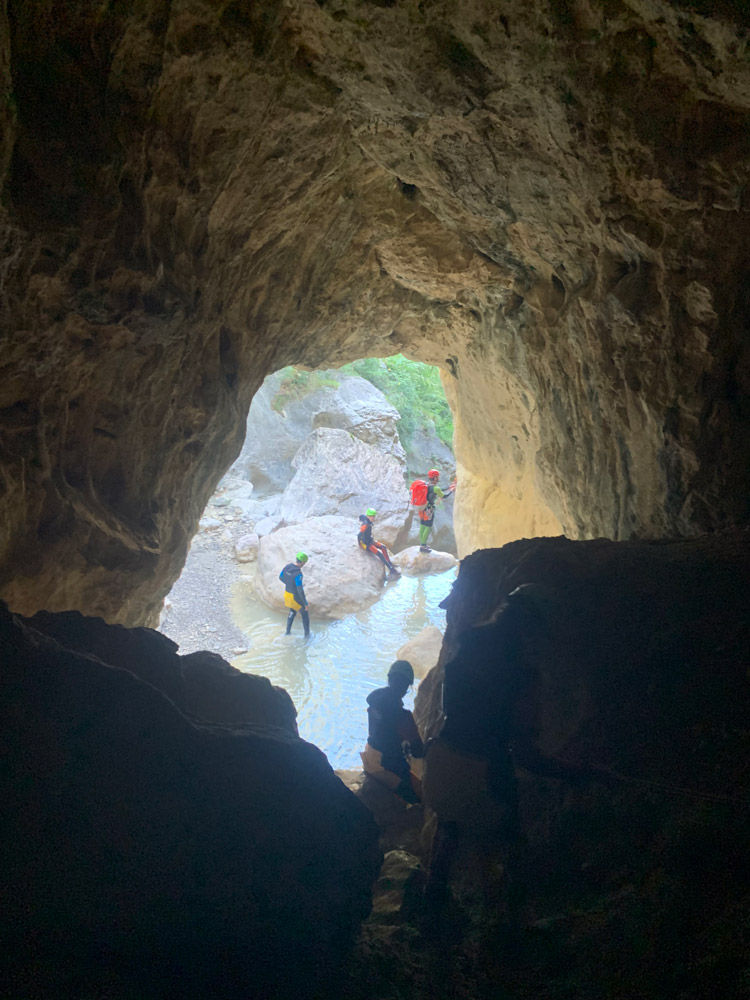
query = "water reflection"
{"x": 330, "y": 674}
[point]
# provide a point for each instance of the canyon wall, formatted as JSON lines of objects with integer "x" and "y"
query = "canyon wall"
{"x": 548, "y": 199}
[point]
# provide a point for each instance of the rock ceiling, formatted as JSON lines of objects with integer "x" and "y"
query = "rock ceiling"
{"x": 548, "y": 199}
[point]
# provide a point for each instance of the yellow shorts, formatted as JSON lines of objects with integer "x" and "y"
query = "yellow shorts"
{"x": 291, "y": 601}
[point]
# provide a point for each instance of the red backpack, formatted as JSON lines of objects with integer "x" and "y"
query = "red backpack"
{"x": 418, "y": 493}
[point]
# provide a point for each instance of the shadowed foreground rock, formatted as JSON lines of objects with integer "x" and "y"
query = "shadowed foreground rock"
{"x": 620, "y": 684}
{"x": 200, "y": 684}
{"x": 145, "y": 855}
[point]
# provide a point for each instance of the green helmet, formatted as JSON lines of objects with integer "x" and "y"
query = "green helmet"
{"x": 301, "y": 557}
{"x": 371, "y": 513}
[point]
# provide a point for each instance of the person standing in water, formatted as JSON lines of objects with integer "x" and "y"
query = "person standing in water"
{"x": 294, "y": 593}
{"x": 427, "y": 514}
{"x": 391, "y": 728}
{"x": 366, "y": 541}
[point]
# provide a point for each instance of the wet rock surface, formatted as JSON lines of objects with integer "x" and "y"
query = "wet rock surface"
{"x": 146, "y": 855}
{"x": 549, "y": 204}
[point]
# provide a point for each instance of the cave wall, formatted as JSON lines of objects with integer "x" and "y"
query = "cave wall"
{"x": 608, "y": 698}
{"x": 547, "y": 199}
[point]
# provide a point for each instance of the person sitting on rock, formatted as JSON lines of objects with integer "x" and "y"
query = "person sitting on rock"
{"x": 294, "y": 594}
{"x": 366, "y": 541}
{"x": 391, "y": 728}
{"x": 427, "y": 514}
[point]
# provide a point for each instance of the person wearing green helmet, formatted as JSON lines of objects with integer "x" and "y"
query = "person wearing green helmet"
{"x": 392, "y": 729}
{"x": 367, "y": 542}
{"x": 294, "y": 594}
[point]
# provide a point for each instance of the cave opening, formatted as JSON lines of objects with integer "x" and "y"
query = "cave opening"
{"x": 322, "y": 446}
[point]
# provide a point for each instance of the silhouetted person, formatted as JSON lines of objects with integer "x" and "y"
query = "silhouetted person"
{"x": 391, "y": 728}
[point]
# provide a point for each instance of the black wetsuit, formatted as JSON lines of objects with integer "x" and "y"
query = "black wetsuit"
{"x": 291, "y": 577}
{"x": 390, "y": 727}
{"x": 366, "y": 541}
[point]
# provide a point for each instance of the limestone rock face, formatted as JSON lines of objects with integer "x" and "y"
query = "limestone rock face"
{"x": 618, "y": 681}
{"x": 276, "y": 427}
{"x": 426, "y": 451}
{"x": 549, "y": 204}
{"x": 412, "y": 562}
{"x": 339, "y": 577}
{"x": 422, "y": 651}
{"x": 203, "y": 860}
{"x": 337, "y": 473}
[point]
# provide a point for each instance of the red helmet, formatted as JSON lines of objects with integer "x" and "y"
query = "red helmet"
{"x": 433, "y": 474}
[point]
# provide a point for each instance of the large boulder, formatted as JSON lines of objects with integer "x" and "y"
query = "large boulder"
{"x": 337, "y": 473}
{"x": 147, "y": 855}
{"x": 277, "y": 425}
{"x": 414, "y": 562}
{"x": 423, "y": 650}
{"x": 339, "y": 578}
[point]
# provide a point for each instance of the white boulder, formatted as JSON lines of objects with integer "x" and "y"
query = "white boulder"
{"x": 339, "y": 578}
{"x": 246, "y": 548}
{"x": 338, "y": 473}
{"x": 422, "y": 651}
{"x": 413, "y": 562}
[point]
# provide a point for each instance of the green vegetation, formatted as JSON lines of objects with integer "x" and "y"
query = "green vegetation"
{"x": 297, "y": 383}
{"x": 414, "y": 389}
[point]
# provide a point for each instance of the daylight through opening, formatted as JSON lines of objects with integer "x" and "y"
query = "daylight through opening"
{"x": 323, "y": 448}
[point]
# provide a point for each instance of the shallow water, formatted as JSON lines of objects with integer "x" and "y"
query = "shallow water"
{"x": 330, "y": 674}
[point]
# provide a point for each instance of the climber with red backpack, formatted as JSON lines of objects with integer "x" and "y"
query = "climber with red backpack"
{"x": 424, "y": 495}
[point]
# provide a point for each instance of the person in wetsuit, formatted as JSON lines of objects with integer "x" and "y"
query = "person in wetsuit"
{"x": 367, "y": 542}
{"x": 294, "y": 594}
{"x": 427, "y": 514}
{"x": 391, "y": 728}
